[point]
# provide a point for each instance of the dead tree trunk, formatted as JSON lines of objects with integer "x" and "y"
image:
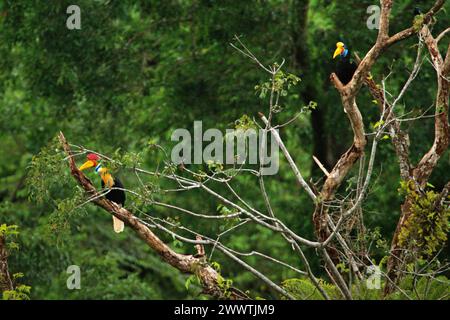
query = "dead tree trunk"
{"x": 419, "y": 175}
{"x": 422, "y": 171}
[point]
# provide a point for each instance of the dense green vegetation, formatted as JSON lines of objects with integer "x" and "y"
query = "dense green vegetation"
{"x": 136, "y": 71}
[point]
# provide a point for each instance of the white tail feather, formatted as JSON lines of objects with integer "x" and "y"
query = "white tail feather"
{"x": 118, "y": 225}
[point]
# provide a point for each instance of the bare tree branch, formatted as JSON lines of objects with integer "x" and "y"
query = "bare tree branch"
{"x": 291, "y": 162}
{"x": 442, "y": 34}
{"x": 441, "y": 130}
{"x": 184, "y": 263}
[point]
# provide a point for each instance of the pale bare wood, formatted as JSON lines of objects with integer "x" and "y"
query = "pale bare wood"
{"x": 422, "y": 171}
{"x": 348, "y": 95}
{"x": 320, "y": 165}
{"x": 429, "y": 161}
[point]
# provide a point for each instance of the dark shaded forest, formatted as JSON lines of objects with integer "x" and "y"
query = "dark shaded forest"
{"x": 358, "y": 207}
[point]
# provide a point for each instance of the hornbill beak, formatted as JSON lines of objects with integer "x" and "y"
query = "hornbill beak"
{"x": 340, "y": 48}
{"x": 337, "y": 52}
{"x": 88, "y": 164}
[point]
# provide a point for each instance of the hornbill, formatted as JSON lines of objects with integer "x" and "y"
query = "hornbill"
{"x": 115, "y": 195}
{"x": 345, "y": 67}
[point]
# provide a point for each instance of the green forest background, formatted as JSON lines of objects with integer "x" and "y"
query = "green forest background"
{"x": 136, "y": 71}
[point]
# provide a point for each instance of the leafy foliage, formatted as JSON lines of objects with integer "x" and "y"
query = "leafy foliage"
{"x": 418, "y": 288}
{"x": 427, "y": 227}
{"x": 139, "y": 69}
{"x": 19, "y": 291}
{"x": 304, "y": 289}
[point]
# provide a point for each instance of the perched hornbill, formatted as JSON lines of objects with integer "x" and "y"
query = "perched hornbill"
{"x": 115, "y": 195}
{"x": 345, "y": 67}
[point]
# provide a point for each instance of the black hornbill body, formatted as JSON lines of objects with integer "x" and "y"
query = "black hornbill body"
{"x": 345, "y": 66}
{"x": 116, "y": 192}
{"x": 115, "y": 195}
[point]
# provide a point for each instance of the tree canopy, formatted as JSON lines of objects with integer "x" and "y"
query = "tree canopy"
{"x": 138, "y": 70}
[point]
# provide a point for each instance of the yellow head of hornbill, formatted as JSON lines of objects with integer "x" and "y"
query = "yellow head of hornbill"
{"x": 345, "y": 67}
{"x": 115, "y": 195}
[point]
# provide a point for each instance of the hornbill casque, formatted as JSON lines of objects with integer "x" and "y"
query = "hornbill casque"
{"x": 345, "y": 66}
{"x": 115, "y": 195}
